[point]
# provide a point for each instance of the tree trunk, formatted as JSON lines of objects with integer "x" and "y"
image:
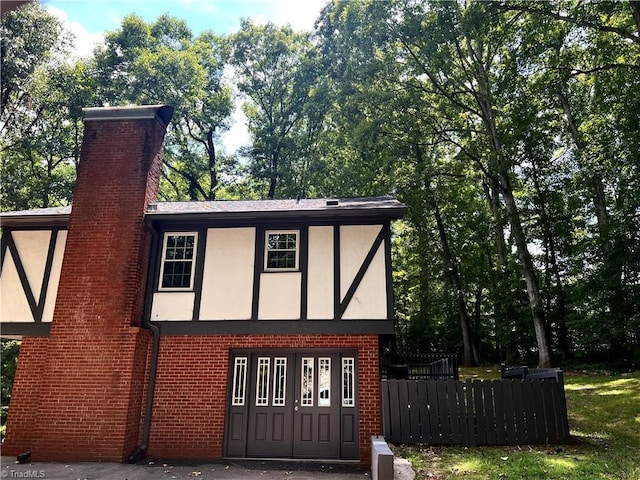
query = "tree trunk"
{"x": 530, "y": 277}
{"x": 273, "y": 176}
{"x": 503, "y": 310}
{"x": 213, "y": 176}
{"x": 500, "y": 168}
{"x": 552, "y": 269}
{"x": 470, "y": 354}
{"x": 595, "y": 181}
{"x": 493, "y": 199}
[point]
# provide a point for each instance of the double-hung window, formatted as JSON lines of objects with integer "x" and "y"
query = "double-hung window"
{"x": 178, "y": 260}
{"x": 281, "y": 250}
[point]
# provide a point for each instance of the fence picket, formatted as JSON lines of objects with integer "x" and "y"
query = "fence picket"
{"x": 423, "y": 404}
{"x": 509, "y": 417}
{"x": 414, "y": 412}
{"x": 549, "y": 414}
{"x": 454, "y": 419}
{"x": 405, "y": 412}
{"x": 443, "y": 412}
{"x": 470, "y": 416}
{"x": 480, "y": 417}
{"x": 490, "y": 416}
{"x": 498, "y": 401}
{"x": 519, "y": 411}
{"x": 435, "y": 429}
{"x": 561, "y": 408}
{"x": 538, "y": 407}
{"x": 385, "y": 404}
{"x": 396, "y": 425}
{"x": 529, "y": 412}
{"x": 463, "y": 413}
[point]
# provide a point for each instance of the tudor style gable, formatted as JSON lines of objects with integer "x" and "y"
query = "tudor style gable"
{"x": 306, "y": 266}
{"x": 32, "y": 249}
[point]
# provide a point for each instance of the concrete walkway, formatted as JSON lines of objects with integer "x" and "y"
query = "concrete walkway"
{"x": 225, "y": 470}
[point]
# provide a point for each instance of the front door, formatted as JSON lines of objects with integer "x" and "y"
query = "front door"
{"x": 292, "y": 404}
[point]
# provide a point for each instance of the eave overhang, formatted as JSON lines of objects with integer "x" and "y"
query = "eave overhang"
{"x": 299, "y": 210}
{"x": 310, "y": 210}
{"x": 38, "y": 217}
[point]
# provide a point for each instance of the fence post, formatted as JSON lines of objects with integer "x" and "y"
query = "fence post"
{"x": 386, "y": 413}
{"x": 562, "y": 408}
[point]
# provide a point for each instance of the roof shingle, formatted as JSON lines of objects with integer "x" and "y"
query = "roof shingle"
{"x": 319, "y": 207}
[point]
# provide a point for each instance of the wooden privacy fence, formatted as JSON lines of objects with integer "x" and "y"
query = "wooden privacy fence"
{"x": 474, "y": 412}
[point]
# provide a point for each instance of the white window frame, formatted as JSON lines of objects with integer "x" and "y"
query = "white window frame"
{"x": 267, "y": 250}
{"x": 239, "y": 381}
{"x": 326, "y": 362}
{"x": 263, "y": 382}
{"x": 348, "y": 381}
{"x": 279, "y": 382}
{"x": 164, "y": 261}
{"x": 309, "y": 385}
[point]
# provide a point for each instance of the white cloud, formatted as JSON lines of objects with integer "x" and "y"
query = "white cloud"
{"x": 300, "y": 15}
{"x": 84, "y": 40}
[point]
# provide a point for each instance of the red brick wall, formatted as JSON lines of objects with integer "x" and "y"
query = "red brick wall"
{"x": 91, "y": 376}
{"x": 26, "y": 395}
{"x": 191, "y": 389}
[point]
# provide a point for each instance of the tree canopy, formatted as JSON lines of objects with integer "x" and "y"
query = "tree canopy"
{"x": 510, "y": 129}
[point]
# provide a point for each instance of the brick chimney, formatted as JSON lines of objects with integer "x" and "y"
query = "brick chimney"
{"x": 78, "y": 394}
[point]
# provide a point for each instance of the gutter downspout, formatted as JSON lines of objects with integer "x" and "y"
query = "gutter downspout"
{"x": 146, "y": 323}
{"x": 146, "y": 428}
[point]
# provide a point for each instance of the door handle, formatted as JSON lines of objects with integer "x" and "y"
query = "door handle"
{"x": 295, "y": 409}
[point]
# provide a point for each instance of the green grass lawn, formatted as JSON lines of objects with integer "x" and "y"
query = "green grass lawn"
{"x": 604, "y": 419}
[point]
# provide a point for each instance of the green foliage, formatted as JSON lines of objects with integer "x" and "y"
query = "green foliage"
{"x": 277, "y": 71}
{"x": 509, "y": 104}
{"x": 40, "y": 123}
{"x": 9, "y": 350}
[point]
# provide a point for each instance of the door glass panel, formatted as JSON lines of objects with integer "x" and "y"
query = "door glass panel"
{"x": 239, "y": 380}
{"x": 262, "y": 382}
{"x": 306, "y": 385}
{"x": 279, "y": 381}
{"x": 324, "y": 382}
{"x": 348, "y": 371}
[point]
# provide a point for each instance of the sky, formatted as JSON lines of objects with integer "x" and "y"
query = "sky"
{"x": 88, "y": 20}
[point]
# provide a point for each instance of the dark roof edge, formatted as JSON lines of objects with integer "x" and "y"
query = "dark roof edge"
{"x": 59, "y": 216}
{"x": 164, "y": 113}
{"x": 57, "y": 220}
{"x": 388, "y": 212}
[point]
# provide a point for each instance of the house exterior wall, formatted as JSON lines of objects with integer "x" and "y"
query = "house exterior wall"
{"x": 228, "y": 274}
{"x": 320, "y": 287}
{"x": 192, "y": 384}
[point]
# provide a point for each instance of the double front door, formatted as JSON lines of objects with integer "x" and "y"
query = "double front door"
{"x": 292, "y": 404}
